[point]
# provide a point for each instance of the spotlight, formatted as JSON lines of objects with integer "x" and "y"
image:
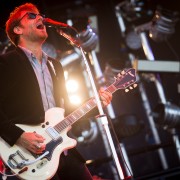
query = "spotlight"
{"x": 167, "y": 115}
{"x": 88, "y": 39}
{"x": 132, "y": 10}
{"x": 163, "y": 24}
{"x": 72, "y": 85}
{"x": 75, "y": 99}
{"x": 133, "y": 40}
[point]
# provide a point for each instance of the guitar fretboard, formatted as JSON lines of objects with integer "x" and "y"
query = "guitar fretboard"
{"x": 121, "y": 82}
{"x": 80, "y": 112}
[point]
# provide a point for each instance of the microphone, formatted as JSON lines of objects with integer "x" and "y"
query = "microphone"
{"x": 50, "y": 22}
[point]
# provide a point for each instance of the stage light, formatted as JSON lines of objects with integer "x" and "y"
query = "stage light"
{"x": 163, "y": 24}
{"x": 133, "y": 10}
{"x": 167, "y": 115}
{"x": 133, "y": 40}
{"x": 88, "y": 39}
{"x": 72, "y": 85}
{"x": 75, "y": 99}
{"x": 66, "y": 75}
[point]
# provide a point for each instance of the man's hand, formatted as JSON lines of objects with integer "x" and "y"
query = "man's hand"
{"x": 32, "y": 142}
{"x": 105, "y": 96}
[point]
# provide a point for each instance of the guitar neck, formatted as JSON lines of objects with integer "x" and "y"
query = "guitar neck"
{"x": 122, "y": 81}
{"x": 80, "y": 112}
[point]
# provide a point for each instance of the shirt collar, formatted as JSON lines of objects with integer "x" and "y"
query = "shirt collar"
{"x": 31, "y": 56}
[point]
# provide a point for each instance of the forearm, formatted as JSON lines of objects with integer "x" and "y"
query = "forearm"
{"x": 9, "y": 131}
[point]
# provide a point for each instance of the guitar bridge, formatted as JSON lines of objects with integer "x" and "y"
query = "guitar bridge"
{"x": 14, "y": 159}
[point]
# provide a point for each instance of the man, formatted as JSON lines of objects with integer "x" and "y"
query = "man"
{"x": 30, "y": 84}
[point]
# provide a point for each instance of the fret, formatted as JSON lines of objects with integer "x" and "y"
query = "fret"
{"x": 92, "y": 103}
{"x": 85, "y": 108}
{"x": 69, "y": 120}
{"x": 77, "y": 114}
{"x": 111, "y": 88}
{"x": 62, "y": 125}
{"x": 88, "y": 106}
{"x": 66, "y": 122}
{"x": 57, "y": 128}
{"x": 81, "y": 111}
{"x": 73, "y": 116}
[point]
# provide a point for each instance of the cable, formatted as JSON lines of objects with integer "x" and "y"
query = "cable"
{"x": 8, "y": 174}
{"x": 4, "y": 175}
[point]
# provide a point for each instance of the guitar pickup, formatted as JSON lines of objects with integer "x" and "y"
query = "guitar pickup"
{"x": 53, "y": 133}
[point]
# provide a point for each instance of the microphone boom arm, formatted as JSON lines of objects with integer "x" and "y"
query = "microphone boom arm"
{"x": 68, "y": 37}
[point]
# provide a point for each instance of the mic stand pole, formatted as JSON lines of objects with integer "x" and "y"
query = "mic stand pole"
{"x": 102, "y": 116}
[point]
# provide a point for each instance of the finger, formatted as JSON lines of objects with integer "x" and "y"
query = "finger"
{"x": 106, "y": 94}
{"x": 101, "y": 90}
{"x": 106, "y": 98}
{"x": 32, "y": 148}
{"x": 105, "y": 103}
{"x": 39, "y": 138}
{"x": 38, "y": 135}
{"x": 38, "y": 146}
{"x": 36, "y": 151}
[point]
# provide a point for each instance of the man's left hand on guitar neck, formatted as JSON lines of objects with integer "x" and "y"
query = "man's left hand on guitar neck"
{"x": 105, "y": 97}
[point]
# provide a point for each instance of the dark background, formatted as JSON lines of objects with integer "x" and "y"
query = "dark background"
{"x": 138, "y": 140}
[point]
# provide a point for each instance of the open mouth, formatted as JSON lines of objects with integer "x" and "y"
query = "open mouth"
{"x": 40, "y": 26}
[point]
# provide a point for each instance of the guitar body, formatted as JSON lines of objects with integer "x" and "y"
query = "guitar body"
{"x": 46, "y": 167}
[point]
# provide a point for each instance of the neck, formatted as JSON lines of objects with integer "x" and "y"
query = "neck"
{"x": 35, "y": 48}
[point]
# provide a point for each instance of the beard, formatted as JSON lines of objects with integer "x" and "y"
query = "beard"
{"x": 35, "y": 35}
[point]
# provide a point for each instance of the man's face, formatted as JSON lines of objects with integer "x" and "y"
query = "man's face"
{"x": 32, "y": 27}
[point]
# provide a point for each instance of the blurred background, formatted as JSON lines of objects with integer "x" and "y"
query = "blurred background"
{"x": 117, "y": 35}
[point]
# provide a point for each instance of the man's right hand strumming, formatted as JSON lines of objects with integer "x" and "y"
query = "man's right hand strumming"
{"x": 32, "y": 142}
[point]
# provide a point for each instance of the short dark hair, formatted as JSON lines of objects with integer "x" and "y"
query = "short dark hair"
{"x": 13, "y": 21}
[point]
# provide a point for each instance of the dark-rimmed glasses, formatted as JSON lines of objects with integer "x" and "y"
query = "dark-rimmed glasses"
{"x": 30, "y": 16}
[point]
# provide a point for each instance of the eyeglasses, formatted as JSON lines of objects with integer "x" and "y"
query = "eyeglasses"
{"x": 30, "y": 16}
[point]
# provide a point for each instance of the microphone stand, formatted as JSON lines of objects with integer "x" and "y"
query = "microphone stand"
{"x": 102, "y": 116}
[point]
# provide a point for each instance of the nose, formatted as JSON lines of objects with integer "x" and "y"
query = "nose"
{"x": 39, "y": 16}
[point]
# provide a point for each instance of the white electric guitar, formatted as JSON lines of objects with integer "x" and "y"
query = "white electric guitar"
{"x": 27, "y": 165}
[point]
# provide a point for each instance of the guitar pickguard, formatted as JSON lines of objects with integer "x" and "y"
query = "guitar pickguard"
{"x": 50, "y": 147}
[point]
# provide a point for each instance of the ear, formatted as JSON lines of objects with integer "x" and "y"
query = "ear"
{"x": 17, "y": 30}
